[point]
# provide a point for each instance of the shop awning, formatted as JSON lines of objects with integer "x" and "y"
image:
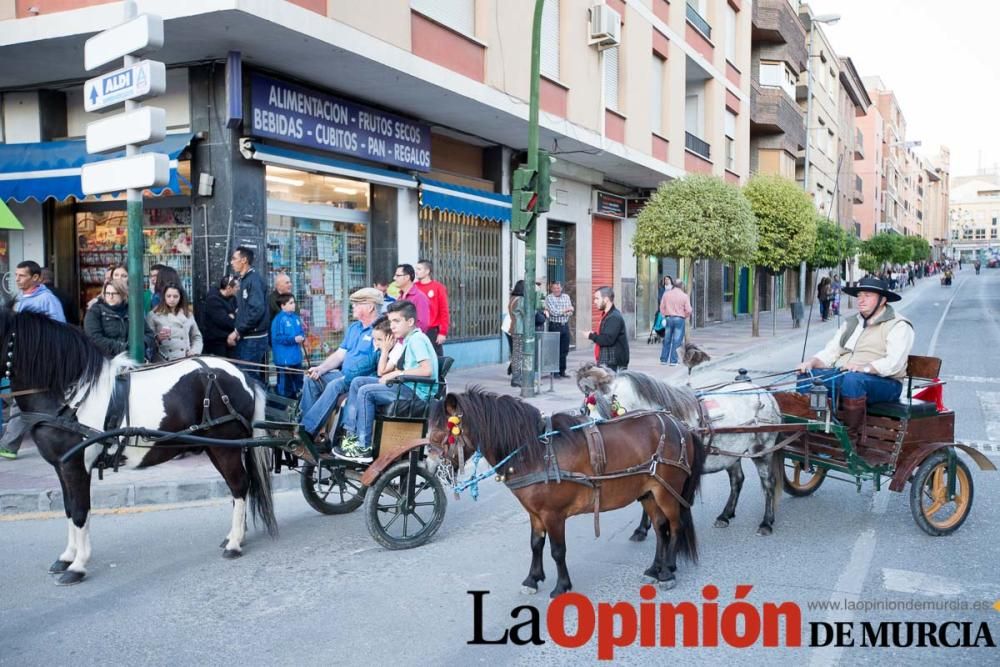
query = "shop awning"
{"x": 286, "y": 157}
{"x": 464, "y": 201}
{"x": 51, "y": 169}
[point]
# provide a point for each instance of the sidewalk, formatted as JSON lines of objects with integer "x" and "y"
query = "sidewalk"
{"x": 29, "y": 484}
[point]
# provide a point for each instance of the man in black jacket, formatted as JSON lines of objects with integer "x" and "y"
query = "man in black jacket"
{"x": 612, "y": 337}
{"x": 218, "y": 317}
{"x": 251, "y": 326}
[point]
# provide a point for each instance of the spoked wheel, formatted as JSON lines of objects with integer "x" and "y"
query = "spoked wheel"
{"x": 397, "y": 520}
{"x": 332, "y": 489}
{"x": 802, "y": 482}
{"x": 932, "y": 510}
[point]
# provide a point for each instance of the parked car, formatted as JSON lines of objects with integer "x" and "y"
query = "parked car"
{"x": 993, "y": 263}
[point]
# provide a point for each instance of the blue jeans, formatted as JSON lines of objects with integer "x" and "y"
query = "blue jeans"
{"x": 319, "y": 397}
{"x": 255, "y": 350}
{"x": 370, "y": 397}
{"x": 673, "y": 339}
{"x": 350, "y": 411}
{"x": 875, "y": 388}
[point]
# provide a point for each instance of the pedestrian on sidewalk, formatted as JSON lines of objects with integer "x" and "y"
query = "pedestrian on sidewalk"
{"x": 287, "y": 336}
{"x": 437, "y": 297}
{"x": 611, "y": 338}
{"x": 35, "y": 296}
{"x": 404, "y": 278}
{"x": 824, "y": 294}
{"x": 282, "y": 286}
{"x": 675, "y": 307}
{"x": 251, "y": 327}
{"x": 218, "y": 317}
{"x": 513, "y": 331}
{"x": 558, "y": 310}
{"x": 106, "y": 322}
{"x": 836, "y": 286}
{"x": 177, "y": 333}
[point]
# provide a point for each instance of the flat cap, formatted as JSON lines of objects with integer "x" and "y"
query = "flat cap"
{"x": 368, "y": 295}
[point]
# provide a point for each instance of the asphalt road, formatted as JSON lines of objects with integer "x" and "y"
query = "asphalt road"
{"x": 325, "y": 593}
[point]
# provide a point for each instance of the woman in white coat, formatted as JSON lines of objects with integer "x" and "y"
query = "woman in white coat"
{"x": 177, "y": 333}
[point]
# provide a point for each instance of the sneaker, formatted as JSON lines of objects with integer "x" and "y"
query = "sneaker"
{"x": 350, "y": 449}
{"x": 673, "y": 363}
{"x": 7, "y": 454}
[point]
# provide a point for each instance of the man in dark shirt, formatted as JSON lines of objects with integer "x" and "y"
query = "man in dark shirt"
{"x": 251, "y": 326}
{"x": 282, "y": 285}
{"x": 612, "y": 337}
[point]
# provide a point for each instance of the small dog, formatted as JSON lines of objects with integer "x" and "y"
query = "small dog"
{"x": 692, "y": 356}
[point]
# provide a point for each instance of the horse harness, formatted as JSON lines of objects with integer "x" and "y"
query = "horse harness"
{"x": 117, "y": 412}
{"x": 551, "y": 472}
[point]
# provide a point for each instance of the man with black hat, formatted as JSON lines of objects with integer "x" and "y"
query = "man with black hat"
{"x": 865, "y": 361}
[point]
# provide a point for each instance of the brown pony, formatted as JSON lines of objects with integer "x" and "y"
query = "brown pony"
{"x": 650, "y": 457}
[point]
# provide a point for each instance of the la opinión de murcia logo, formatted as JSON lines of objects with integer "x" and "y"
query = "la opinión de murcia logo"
{"x": 737, "y": 624}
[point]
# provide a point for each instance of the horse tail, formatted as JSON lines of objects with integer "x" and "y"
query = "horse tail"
{"x": 687, "y": 540}
{"x": 258, "y": 465}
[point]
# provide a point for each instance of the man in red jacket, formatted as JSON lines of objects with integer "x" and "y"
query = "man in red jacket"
{"x": 437, "y": 295}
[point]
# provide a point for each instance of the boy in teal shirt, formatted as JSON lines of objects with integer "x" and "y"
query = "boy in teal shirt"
{"x": 419, "y": 359}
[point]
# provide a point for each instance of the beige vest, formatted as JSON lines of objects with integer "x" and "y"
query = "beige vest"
{"x": 871, "y": 344}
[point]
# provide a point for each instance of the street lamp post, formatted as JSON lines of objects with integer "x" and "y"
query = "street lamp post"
{"x": 829, "y": 19}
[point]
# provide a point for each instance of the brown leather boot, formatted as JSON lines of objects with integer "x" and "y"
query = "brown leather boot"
{"x": 852, "y": 415}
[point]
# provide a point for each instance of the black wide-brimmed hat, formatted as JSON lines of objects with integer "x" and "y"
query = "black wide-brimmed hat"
{"x": 873, "y": 284}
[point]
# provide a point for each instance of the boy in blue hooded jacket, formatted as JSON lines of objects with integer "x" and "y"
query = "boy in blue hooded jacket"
{"x": 287, "y": 335}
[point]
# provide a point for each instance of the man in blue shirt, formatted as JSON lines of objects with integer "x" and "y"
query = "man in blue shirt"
{"x": 356, "y": 356}
{"x": 419, "y": 359}
{"x": 35, "y": 296}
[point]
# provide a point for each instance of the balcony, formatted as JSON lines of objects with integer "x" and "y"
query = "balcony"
{"x": 859, "y": 145}
{"x": 859, "y": 191}
{"x": 697, "y": 146}
{"x": 778, "y": 31}
{"x": 772, "y": 111}
{"x": 696, "y": 19}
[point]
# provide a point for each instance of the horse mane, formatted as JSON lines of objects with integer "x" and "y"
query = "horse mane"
{"x": 679, "y": 400}
{"x": 499, "y": 425}
{"x": 48, "y": 354}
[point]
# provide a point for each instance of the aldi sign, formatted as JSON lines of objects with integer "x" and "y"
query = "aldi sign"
{"x": 147, "y": 78}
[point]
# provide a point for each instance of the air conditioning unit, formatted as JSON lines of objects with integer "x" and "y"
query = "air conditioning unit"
{"x": 605, "y": 27}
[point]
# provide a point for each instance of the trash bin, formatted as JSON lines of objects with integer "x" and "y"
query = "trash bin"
{"x": 798, "y": 312}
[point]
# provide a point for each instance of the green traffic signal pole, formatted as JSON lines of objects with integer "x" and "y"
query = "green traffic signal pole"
{"x": 530, "y": 239}
{"x": 136, "y": 316}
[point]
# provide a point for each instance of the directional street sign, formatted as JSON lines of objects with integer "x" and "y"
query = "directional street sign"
{"x": 147, "y": 78}
{"x": 140, "y": 35}
{"x": 146, "y": 125}
{"x": 146, "y": 170}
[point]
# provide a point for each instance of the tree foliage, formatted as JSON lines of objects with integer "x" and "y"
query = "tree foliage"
{"x": 887, "y": 248}
{"x": 697, "y": 216}
{"x": 786, "y": 221}
{"x": 834, "y": 244}
{"x": 920, "y": 249}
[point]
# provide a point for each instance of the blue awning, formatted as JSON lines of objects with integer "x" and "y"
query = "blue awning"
{"x": 464, "y": 201}
{"x": 51, "y": 169}
{"x": 294, "y": 159}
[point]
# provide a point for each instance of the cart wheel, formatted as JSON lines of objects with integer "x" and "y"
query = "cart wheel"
{"x": 802, "y": 483}
{"x": 933, "y": 512}
{"x": 332, "y": 489}
{"x": 396, "y": 524}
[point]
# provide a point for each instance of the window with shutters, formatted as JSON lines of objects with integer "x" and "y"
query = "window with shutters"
{"x": 611, "y": 78}
{"x": 656, "y": 95}
{"x": 550, "y": 39}
{"x": 459, "y": 15}
{"x": 730, "y": 140}
{"x": 731, "y": 34}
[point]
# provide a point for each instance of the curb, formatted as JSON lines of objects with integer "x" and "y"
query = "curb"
{"x": 116, "y": 496}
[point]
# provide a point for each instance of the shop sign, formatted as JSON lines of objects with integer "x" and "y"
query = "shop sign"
{"x": 307, "y": 117}
{"x": 140, "y": 35}
{"x": 635, "y": 205}
{"x": 610, "y": 205}
{"x": 147, "y": 78}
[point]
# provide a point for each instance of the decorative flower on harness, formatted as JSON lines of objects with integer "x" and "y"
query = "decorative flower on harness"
{"x": 454, "y": 430}
{"x": 616, "y": 407}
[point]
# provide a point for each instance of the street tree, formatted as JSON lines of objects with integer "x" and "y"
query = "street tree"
{"x": 786, "y": 227}
{"x": 834, "y": 245}
{"x": 920, "y": 249}
{"x": 881, "y": 249}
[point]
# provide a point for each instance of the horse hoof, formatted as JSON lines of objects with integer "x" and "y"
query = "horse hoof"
{"x": 528, "y": 590}
{"x": 59, "y": 567}
{"x": 649, "y": 578}
{"x": 70, "y": 578}
{"x": 230, "y": 554}
{"x": 721, "y": 523}
{"x": 668, "y": 584}
{"x": 225, "y": 541}
{"x": 638, "y": 536}
{"x": 764, "y": 531}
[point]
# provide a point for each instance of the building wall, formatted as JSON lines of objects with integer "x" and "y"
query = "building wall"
{"x": 870, "y": 168}
{"x": 823, "y": 125}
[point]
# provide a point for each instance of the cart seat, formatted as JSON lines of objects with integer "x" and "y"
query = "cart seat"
{"x": 903, "y": 409}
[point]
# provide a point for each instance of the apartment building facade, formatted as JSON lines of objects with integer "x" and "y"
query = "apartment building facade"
{"x": 937, "y": 168}
{"x": 893, "y": 125}
{"x": 974, "y": 217}
{"x": 343, "y": 140}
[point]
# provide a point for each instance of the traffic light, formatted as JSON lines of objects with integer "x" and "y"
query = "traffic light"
{"x": 524, "y": 199}
{"x": 545, "y": 181}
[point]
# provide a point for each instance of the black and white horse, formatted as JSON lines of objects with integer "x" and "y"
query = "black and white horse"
{"x": 63, "y": 374}
{"x": 738, "y": 404}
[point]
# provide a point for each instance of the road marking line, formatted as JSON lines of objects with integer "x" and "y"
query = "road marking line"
{"x": 990, "y": 403}
{"x": 944, "y": 314}
{"x": 849, "y": 585}
{"x": 974, "y": 379}
{"x": 907, "y": 581}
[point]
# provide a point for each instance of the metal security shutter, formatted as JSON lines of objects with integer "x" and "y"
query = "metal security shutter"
{"x": 458, "y": 15}
{"x": 611, "y": 78}
{"x": 550, "y": 39}
{"x": 602, "y": 258}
